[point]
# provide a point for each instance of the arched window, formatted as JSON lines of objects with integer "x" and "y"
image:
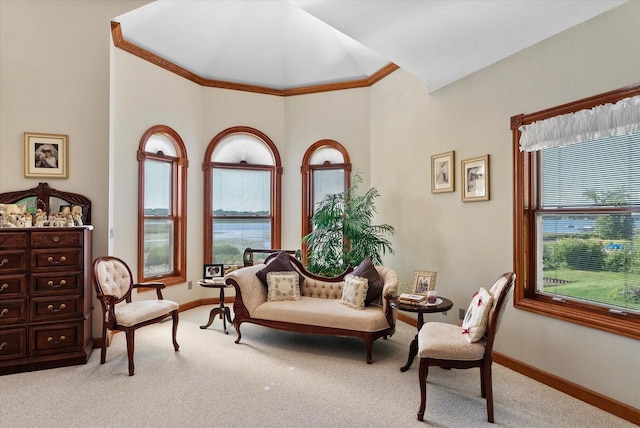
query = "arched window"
{"x": 326, "y": 169}
{"x": 162, "y": 193}
{"x": 242, "y": 182}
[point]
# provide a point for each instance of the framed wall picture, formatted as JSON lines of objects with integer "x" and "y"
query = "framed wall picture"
{"x": 213, "y": 271}
{"x": 423, "y": 281}
{"x": 442, "y": 172}
{"x": 46, "y": 155}
{"x": 475, "y": 179}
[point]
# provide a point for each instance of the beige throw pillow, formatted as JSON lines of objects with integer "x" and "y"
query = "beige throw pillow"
{"x": 282, "y": 286}
{"x": 354, "y": 291}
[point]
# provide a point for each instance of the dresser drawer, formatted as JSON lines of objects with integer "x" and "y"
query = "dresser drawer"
{"x": 13, "y": 286}
{"x": 58, "y": 308}
{"x": 56, "y": 238}
{"x": 62, "y": 259}
{"x": 52, "y": 283}
{"x": 13, "y": 344}
{"x": 13, "y": 312}
{"x": 13, "y": 240}
{"x": 54, "y": 339}
{"x": 13, "y": 261}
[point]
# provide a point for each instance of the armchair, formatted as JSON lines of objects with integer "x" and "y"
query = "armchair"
{"x": 444, "y": 345}
{"x": 114, "y": 284}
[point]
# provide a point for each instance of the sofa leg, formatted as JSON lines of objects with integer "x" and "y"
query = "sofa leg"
{"x": 369, "y": 343}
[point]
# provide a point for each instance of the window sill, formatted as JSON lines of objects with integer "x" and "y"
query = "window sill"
{"x": 600, "y": 318}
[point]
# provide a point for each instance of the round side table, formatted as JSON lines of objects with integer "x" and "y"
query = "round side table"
{"x": 222, "y": 310}
{"x": 443, "y": 305}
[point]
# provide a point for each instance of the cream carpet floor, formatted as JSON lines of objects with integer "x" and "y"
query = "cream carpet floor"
{"x": 274, "y": 379}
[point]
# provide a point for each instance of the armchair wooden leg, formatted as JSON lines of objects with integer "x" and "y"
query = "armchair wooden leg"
{"x": 488, "y": 389}
{"x": 103, "y": 351}
{"x": 423, "y": 372}
{"x": 130, "y": 348}
{"x": 174, "y": 316}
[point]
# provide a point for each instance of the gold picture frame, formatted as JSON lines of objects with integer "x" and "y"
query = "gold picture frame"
{"x": 46, "y": 155}
{"x": 443, "y": 172}
{"x": 475, "y": 179}
{"x": 423, "y": 281}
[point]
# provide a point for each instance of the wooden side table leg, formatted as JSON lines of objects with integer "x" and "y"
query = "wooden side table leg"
{"x": 413, "y": 348}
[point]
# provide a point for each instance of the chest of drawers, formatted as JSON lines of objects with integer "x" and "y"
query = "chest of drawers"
{"x": 45, "y": 298}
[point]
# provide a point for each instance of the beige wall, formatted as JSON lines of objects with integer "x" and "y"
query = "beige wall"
{"x": 55, "y": 77}
{"x": 470, "y": 244}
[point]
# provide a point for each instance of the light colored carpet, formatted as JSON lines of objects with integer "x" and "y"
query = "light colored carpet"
{"x": 274, "y": 379}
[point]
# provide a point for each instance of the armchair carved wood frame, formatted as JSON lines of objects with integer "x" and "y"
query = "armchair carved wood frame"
{"x": 114, "y": 284}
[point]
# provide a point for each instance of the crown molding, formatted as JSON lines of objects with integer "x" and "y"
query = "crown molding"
{"x": 121, "y": 43}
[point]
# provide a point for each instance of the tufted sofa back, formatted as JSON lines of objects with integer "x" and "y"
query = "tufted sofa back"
{"x": 112, "y": 277}
{"x": 325, "y": 290}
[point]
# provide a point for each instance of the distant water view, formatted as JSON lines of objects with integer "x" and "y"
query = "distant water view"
{"x": 574, "y": 225}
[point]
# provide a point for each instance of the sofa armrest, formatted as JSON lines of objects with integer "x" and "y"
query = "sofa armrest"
{"x": 249, "y": 288}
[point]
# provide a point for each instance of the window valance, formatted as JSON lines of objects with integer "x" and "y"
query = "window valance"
{"x": 606, "y": 120}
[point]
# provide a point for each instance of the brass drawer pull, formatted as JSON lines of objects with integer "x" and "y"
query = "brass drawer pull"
{"x": 3, "y": 287}
{"x": 2, "y": 345}
{"x": 3, "y": 262}
{"x": 4, "y": 311}
{"x": 52, "y": 285}
{"x": 52, "y": 340}
{"x": 56, "y": 238}
{"x": 52, "y": 309}
{"x": 62, "y": 259}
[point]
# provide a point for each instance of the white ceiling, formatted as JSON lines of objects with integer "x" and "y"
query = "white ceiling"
{"x": 282, "y": 44}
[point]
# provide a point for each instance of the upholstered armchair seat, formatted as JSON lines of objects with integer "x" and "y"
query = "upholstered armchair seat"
{"x": 444, "y": 341}
{"x": 138, "y": 312}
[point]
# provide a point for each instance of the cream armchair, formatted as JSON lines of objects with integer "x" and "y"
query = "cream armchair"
{"x": 114, "y": 284}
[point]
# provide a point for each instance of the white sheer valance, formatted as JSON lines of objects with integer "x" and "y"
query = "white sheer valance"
{"x": 606, "y": 120}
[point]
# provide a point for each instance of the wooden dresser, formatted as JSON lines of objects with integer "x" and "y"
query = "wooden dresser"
{"x": 45, "y": 297}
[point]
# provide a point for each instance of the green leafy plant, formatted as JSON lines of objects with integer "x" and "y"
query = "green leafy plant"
{"x": 343, "y": 234}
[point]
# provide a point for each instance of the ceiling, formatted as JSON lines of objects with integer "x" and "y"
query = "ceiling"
{"x": 283, "y": 45}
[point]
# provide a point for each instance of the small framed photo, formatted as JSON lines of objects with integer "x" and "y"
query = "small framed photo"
{"x": 424, "y": 281}
{"x": 442, "y": 172}
{"x": 46, "y": 155}
{"x": 475, "y": 179}
{"x": 213, "y": 271}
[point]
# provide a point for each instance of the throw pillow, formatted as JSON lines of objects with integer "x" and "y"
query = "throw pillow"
{"x": 282, "y": 286}
{"x": 280, "y": 263}
{"x": 477, "y": 317}
{"x": 366, "y": 269}
{"x": 354, "y": 291}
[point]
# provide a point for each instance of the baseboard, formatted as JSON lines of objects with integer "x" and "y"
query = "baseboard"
{"x": 596, "y": 399}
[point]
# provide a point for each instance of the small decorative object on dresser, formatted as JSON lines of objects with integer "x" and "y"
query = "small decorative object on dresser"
{"x": 45, "y": 291}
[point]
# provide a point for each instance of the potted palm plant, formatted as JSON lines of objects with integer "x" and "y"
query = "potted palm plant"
{"x": 342, "y": 233}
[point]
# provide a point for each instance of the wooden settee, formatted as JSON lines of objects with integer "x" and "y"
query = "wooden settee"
{"x": 319, "y": 310}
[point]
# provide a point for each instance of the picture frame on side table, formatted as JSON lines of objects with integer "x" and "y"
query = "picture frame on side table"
{"x": 46, "y": 155}
{"x": 475, "y": 179}
{"x": 424, "y": 281}
{"x": 442, "y": 172}
{"x": 213, "y": 271}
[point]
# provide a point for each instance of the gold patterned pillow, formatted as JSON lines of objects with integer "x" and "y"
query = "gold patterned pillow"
{"x": 354, "y": 291}
{"x": 282, "y": 286}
